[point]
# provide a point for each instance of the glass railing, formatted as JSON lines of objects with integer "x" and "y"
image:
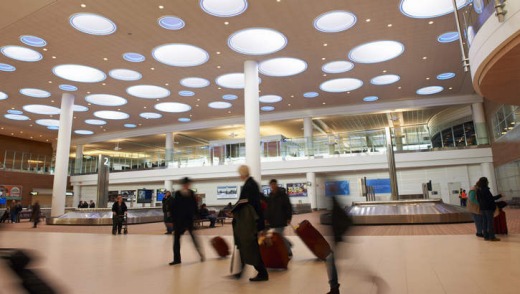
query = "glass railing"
{"x": 473, "y": 16}
{"x": 27, "y": 162}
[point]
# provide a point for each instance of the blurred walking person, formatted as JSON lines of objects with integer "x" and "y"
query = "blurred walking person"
{"x": 166, "y": 208}
{"x": 36, "y": 213}
{"x": 279, "y": 211}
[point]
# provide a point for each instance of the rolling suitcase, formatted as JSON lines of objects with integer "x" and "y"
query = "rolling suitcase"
{"x": 500, "y": 224}
{"x": 313, "y": 239}
{"x": 220, "y": 246}
{"x": 273, "y": 251}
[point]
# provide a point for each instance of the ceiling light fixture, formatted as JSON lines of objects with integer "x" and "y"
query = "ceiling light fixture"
{"x": 223, "y": 8}
{"x": 335, "y": 21}
{"x": 257, "y": 41}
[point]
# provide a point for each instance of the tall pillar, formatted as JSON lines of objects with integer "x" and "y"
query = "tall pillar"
{"x": 62, "y": 155}
{"x": 168, "y": 149}
{"x": 76, "y": 189}
{"x": 168, "y": 185}
{"x": 391, "y": 164}
{"x": 311, "y": 190}
{"x": 307, "y": 133}
{"x": 252, "y": 119}
{"x": 488, "y": 171}
{"x": 479, "y": 121}
{"x": 78, "y": 163}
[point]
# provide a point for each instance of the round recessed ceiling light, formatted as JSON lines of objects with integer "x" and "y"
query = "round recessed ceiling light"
{"x": 370, "y": 98}
{"x": 48, "y": 123}
{"x": 150, "y": 115}
{"x": 335, "y": 21}
{"x": 229, "y": 97}
{"x": 172, "y": 107}
{"x": 282, "y": 67}
{"x": 232, "y": 81}
{"x": 223, "y": 8}
{"x": 377, "y": 51}
{"x": 93, "y": 24}
{"x": 66, "y": 87}
{"x": 341, "y": 85}
{"x": 186, "y": 93}
{"x": 96, "y": 122}
{"x": 79, "y": 108}
{"x": 448, "y": 37}
{"x": 83, "y": 132}
{"x": 148, "y": 91}
{"x": 270, "y": 98}
{"x": 267, "y": 108}
{"x": 311, "y": 94}
{"x": 219, "y": 105}
{"x": 6, "y": 67}
{"x": 54, "y": 128}
{"x": 36, "y": 93}
{"x": 33, "y": 41}
{"x": 79, "y": 73}
{"x": 125, "y": 74}
{"x": 41, "y": 109}
{"x": 130, "y": 126}
{"x": 16, "y": 117}
{"x": 257, "y": 41}
{"x": 478, "y": 5}
{"x": 337, "y": 66}
{"x": 133, "y": 57}
{"x": 184, "y": 119}
{"x": 430, "y": 90}
{"x": 194, "y": 82}
{"x": 111, "y": 114}
{"x": 182, "y": 55}
{"x": 385, "y": 79}
{"x": 446, "y": 76}
{"x": 105, "y": 100}
{"x": 429, "y": 8}
{"x": 171, "y": 22}
{"x": 14, "y": 111}
{"x": 3, "y": 95}
{"x": 21, "y": 53}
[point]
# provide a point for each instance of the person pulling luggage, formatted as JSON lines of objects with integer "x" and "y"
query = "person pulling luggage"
{"x": 119, "y": 210}
{"x": 279, "y": 211}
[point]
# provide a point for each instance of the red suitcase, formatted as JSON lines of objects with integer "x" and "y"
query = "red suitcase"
{"x": 220, "y": 246}
{"x": 500, "y": 224}
{"x": 273, "y": 251}
{"x": 313, "y": 239}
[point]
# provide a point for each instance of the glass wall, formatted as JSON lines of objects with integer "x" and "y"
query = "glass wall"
{"x": 506, "y": 118}
{"x": 460, "y": 135}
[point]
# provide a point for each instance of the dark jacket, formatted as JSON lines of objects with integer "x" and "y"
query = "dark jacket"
{"x": 279, "y": 209}
{"x": 36, "y": 212}
{"x": 119, "y": 209}
{"x": 251, "y": 192}
{"x": 183, "y": 210}
{"x": 166, "y": 202}
{"x": 486, "y": 200}
{"x": 92, "y": 205}
{"x": 245, "y": 233}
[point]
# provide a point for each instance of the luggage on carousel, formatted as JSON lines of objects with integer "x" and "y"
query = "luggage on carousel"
{"x": 313, "y": 239}
{"x": 220, "y": 246}
{"x": 273, "y": 251}
{"x": 500, "y": 223}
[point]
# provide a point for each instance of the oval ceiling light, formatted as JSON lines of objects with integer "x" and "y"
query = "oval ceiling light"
{"x": 105, "y": 100}
{"x": 448, "y": 37}
{"x": 6, "y": 67}
{"x": 270, "y": 98}
{"x": 232, "y": 81}
{"x": 130, "y": 126}
{"x": 337, "y": 66}
{"x": 223, "y": 8}
{"x": 79, "y": 108}
{"x": 54, "y": 128}
{"x": 430, "y": 90}
{"x": 184, "y": 119}
{"x": 96, "y": 122}
{"x": 257, "y": 41}
{"x": 267, "y": 108}
{"x": 111, "y": 114}
{"x": 16, "y": 117}
{"x": 194, "y": 82}
{"x": 377, "y": 51}
{"x": 182, "y": 55}
{"x": 282, "y": 67}
{"x": 83, "y": 132}
{"x": 148, "y": 91}
{"x": 14, "y": 111}
{"x": 150, "y": 115}
{"x": 230, "y": 97}
{"x": 335, "y": 21}
{"x": 429, "y": 8}
{"x": 341, "y": 85}
{"x": 66, "y": 87}
{"x": 3, "y": 95}
{"x": 93, "y": 24}
{"x": 170, "y": 22}
{"x": 134, "y": 57}
{"x": 385, "y": 80}
{"x": 36, "y": 93}
{"x": 219, "y": 105}
{"x": 172, "y": 107}
{"x": 186, "y": 93}
{"x": 33, "y": 41}
{"x": 478, "y": 5}
{"x": 21, "y": 53}
{"x": 125, "y": 74}
{"x": 41, "y": 109}
{"x": 446, "y": 76}
{"x": 370, "y": 98}
{"x": 49, "y": 123}
{"x": 79, "y": 73}
{"x": 311, "y": 94}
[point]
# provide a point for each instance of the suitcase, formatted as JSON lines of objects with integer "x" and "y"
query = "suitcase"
{"x": 500, "y": 224}
{"x": 273, "y": 251}
{"x": 220, "y": 246}
{"x": 313, "y": 239}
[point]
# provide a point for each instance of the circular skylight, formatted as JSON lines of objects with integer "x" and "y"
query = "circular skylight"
{"x": 130, "y": 126}
{"x": 267, "y": 108}
{"x": 223, "y": 8}
{"x": 6, "y": 67}
{"x": 125, "y": 74}
{"x": 182, "y": 55}
{"x": 446, "y": 76}
{"x": 133, "y": 57}
{"x": 110, "y": 114}
{"x": 54, "y": 128}
{"x": 282, "y": 67}
{"x": 429, "y": 8}
{"x": 83, "y": 132}
{"x": 93, "y": 24}
{"x": 16, "y": 117}
{"x": 270, "y": 98}
{"x": 186, "y": 93}
{"x": 377, "y": 51}
{"x": 337, "y": 66}
{"x": 335, "y": 21}
{"x": 257, "y": 41}
{"x": 79, "y": 73}
{"x": 232, "y": 81}
{"x": 41, "y": 109}
{"x": 195, "y": 82}
{"x": 3, "y": 95}
{"x": 370, "y": 98}
{"x": 105, "y": 100}
{"x": 172, "y": 107}
{"x": 171, "y": 22}
{"x": 448, "y": 37}
{"x": 229, "y": 97}
{"x": 341, "y": 85}
{"x": 311, "y": 94}
{"x": 150, "y": 115}
{"x": 148, "y": 91}
{"x": 385, "y": 79}
{"x": 14, "y": 111}
{"x": 96, "y": 122}
{"x": 478, "y": 5}
{"x": 66, "y": 87}
{"x": 184, "y": 119}
{"x": 21, "y": 53}
{"x": 79, "y": 108}
{"x": 430, "y": 90}
{"x": 49, "y": 122}
{"x": 33, "y": 41}
{"x": 36, "y": 93}
{"x": 219, "y": 105}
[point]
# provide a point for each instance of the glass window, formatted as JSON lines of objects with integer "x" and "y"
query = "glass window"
{"x": 469, "y": 131}
{"x": 447, "y": 138}
{"x": 436, "y": 141}
{"x": 458, "y": 133}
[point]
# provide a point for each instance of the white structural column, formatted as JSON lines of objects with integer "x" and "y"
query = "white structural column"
{"x": 311, "y": 190}
{"x": 168, "y": 149}
{"x": 252, "y": 119}
{"x": 62, "y": 155}
{"x": 307, "y": 133}
{"x": 76, "y": 189}
{"x": 479, "y": 121}
{"x": 168, "y": 185}
{"x": 78, "y": 163}
{"x": 488, "y": 171}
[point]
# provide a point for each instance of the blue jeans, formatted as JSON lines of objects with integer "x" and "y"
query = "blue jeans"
{"x": 489, "y": 230}
{"x": 331, "y": 270}
{"x": 479, "y": 223}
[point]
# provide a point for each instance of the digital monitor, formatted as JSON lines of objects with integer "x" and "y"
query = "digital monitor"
{"x": 144, "y": 196}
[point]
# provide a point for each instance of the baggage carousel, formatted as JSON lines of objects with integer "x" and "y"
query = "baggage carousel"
{"x": 103, "y": 216}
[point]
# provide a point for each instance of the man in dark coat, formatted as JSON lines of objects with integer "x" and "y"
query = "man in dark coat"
{"x": 279, "y": 211}
{"x": 92, "y": 204}
{"x": 119, "y": 210}
{"x": 36, "y": 214}
{"x": 166, "y": 208}
{"x": 487, "y": 205}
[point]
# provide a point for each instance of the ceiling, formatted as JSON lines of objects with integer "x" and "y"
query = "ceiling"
{"x": 138, "y": 31}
